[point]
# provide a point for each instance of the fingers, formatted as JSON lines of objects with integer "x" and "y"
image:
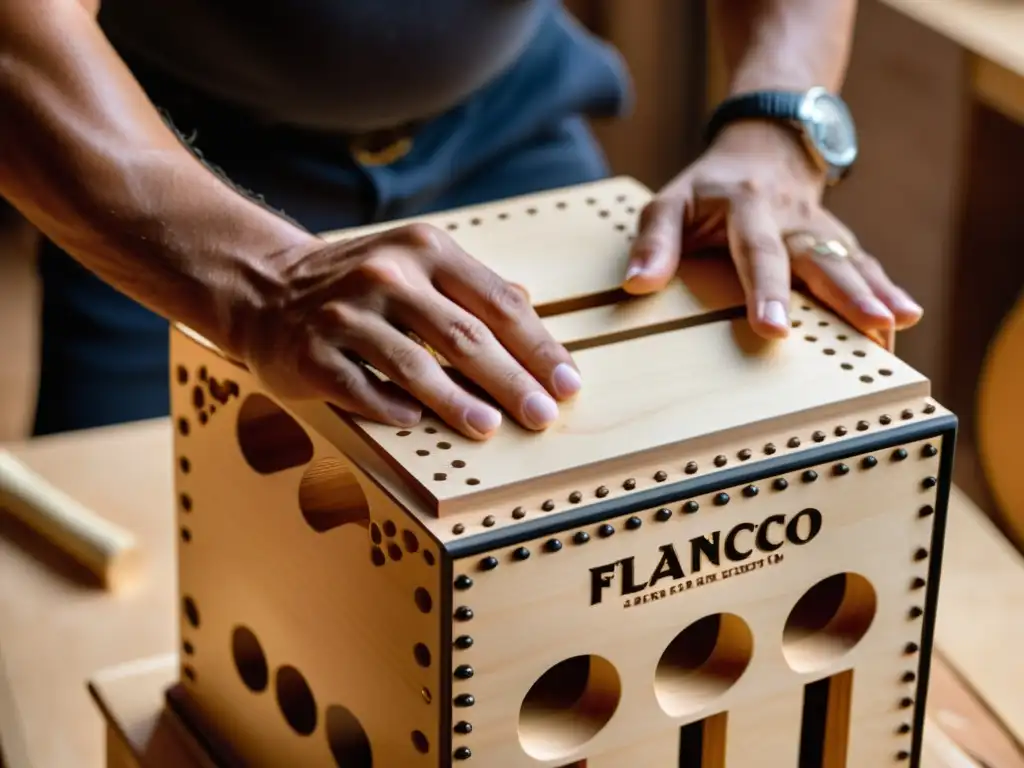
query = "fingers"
{"x": 352, "y": 388}
{"x": 414, "y": 369}
{"x": 837, "y": 281}
{"x": 906, "y": 311}
{"x": 655, "y": 254}
{"x": 762, "y": 262}
{"x": 520, "y": 341}
{"x": 473, "y": 349}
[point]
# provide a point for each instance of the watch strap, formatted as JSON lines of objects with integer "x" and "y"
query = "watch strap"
{"x": 756, "y": 105}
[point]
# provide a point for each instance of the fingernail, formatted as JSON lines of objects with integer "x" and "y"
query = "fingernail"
{"x": 539, "y": 409}
{"x": 873, "y": 306}
{"x": 775, "y": 313}
{"x": 906, "y": 304}
{"x": 406, "y": 417}
{"x": 633, "y": 271}
{"x": 483, "y": 419}
{"x": 566, "y": 380}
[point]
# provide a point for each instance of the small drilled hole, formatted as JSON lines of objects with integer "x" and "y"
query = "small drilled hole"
{"x": 452, "y": 227}
{"x": 295, "y": 699}
{"x": 422, "y": 452}
{"x": 591, "y": 201}
{"x": 842, "y": 337}
{"x": 472, "y": 481}
{"x": 561, "y": 204}
{"x": 431, "y": 430}
{"x": 846, "y": 367}
{"x": 250, "y": 659}
{"x": 797, "y": 323}
{"x": 630, "y": 209}
{"x": 531, "y": 211}
{"x": 412, "y": 544}
{"x": 604, "y": 214}
{"x": 420, "y": 742}
{"x": 404, "y": 433}
{"x": 191, "y": 611}
{"x": 502, "y": 215}
{"x": 458, "y": 463}
{"x": 866, "y": 379}
{"x": 422, "y": 655}
{"x": 186, "y": 502}
{"x": 186, "y": 535}
{"x": 620, "y": 227}
{"x": 811, "y": 338}
{"x": 439, "y": 476}
{"x": 423, "y": 600}
{"x": 885, "y": 372}
{"x": 859, "y": 353}
{"x": 475, "y": 222}
{"x": 829, "y": 351}
{"x": 823, "y": 323}
{"x": 444, "y": 446}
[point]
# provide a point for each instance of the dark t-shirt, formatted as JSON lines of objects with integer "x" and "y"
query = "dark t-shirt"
{"x": 350, "y": 65}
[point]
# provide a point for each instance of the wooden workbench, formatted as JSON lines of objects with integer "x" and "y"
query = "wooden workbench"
{"x": 56, "y": 634}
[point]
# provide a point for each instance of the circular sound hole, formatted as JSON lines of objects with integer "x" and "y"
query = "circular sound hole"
{"x": 702, "y": 662}
{"x": 567, "y": 706}
{"x": 828, "y": 621}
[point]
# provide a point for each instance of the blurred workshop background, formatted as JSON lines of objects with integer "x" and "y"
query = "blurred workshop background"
{"x": 937, "y": 89}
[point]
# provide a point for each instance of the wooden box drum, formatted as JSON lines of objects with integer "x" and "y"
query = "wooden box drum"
{"x": 724, "y": 554}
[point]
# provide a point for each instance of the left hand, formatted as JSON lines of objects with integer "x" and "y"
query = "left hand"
{"x": 751, "y": 190}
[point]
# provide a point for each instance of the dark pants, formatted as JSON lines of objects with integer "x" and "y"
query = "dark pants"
{"x": 105, "y": 358}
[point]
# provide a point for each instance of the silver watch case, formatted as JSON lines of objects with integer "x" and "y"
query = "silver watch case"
{"x": 829, "y": 132}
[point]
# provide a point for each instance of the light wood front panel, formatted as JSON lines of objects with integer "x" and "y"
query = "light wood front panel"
{"x": 531, "y": 613}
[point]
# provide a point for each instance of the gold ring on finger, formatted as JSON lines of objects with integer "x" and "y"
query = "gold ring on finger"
{"x": 805, "y": 242}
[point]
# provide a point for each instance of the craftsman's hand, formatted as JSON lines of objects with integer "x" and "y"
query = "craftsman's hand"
{"x": 332, "y": 309}
{"x": 751, "y": 189}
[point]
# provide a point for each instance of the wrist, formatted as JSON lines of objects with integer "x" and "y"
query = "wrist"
{"x": 203, "y": 255}
{"x": 772, "y": 140}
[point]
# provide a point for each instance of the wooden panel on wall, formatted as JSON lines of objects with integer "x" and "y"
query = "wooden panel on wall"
{"x": 908, "y": 91}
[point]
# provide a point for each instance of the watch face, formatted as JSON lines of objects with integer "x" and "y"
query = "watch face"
{"x": 830, "y": 128}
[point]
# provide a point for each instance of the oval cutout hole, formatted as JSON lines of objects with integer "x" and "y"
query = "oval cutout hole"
{"x": 269, "y": 438}
{"x": 348, "y": 742}
{"x": 330, "y": 496}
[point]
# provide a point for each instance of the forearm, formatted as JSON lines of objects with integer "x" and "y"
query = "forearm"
{"x": 785, "y": 44}
{"x": 87, "y": 159}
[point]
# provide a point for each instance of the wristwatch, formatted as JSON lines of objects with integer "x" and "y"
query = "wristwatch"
{"x": 821, "y": 118}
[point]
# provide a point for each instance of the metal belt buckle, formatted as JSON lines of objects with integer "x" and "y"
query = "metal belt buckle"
{"x": 385, "y": 155}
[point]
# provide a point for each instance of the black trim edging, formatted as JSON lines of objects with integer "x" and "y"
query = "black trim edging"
{"x": 446, "y": 661}
{"x": 699, "y": 486}
{"x": 945, "y": 478}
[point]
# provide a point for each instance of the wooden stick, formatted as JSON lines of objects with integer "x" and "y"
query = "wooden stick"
{"x": 106, "y": 550}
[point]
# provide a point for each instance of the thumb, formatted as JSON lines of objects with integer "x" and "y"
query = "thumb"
{"x": 655, "y": 254}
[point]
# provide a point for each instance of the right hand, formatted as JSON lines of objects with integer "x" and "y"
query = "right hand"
{"x": 332, "y": 306}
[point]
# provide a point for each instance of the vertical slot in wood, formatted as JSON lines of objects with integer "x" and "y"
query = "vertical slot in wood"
{"x": 702, "y": 744}
{"x": 825, "y": 727}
